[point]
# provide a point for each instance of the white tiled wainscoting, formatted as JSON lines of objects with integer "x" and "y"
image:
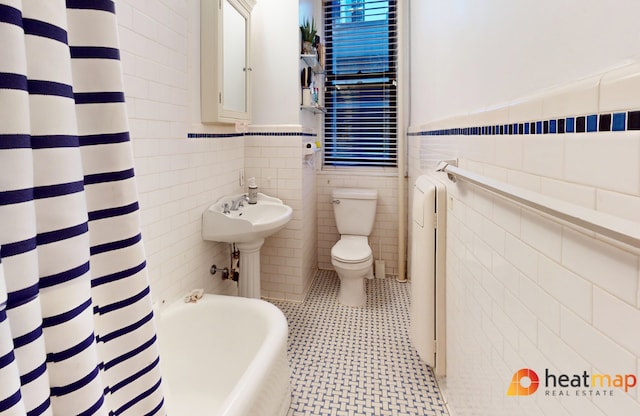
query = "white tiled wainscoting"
{"x": 523, "y": 289}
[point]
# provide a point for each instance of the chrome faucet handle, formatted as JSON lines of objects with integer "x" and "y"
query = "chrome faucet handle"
{"x": 225, "y": 208}
{"x": 238, "y": 202}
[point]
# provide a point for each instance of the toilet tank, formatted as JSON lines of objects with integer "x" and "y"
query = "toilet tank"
{"x": 354, "y": 210}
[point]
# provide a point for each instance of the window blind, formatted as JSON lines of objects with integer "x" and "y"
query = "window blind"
{"x": 360, "y": 85}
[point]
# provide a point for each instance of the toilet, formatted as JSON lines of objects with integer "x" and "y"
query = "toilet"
{"x": 352, "y": 258}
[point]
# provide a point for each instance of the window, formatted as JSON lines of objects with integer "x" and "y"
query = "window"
{"x": 360, "y": 90}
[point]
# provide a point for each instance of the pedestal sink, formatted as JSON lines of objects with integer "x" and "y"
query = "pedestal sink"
{"x": 247, "y": 227}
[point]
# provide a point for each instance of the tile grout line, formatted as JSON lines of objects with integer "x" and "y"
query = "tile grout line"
{"x": 357, "y": 361}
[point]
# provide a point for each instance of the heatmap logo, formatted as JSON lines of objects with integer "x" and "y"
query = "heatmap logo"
{"x": 524, "y": 382}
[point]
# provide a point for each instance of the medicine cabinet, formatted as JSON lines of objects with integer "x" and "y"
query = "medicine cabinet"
{"x": 225, "y": 67}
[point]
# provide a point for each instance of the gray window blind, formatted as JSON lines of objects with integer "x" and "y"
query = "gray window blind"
{"x": 360, "y": 88}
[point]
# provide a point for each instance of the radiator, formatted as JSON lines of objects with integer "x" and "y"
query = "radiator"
{"x": 427, "y": 271}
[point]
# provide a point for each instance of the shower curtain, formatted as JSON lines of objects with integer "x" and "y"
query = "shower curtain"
{"x": 76, "y": 324}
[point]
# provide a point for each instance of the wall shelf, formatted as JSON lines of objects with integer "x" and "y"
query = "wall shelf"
{"x": 314, "y": 109}
{"x": 312, "y": 61}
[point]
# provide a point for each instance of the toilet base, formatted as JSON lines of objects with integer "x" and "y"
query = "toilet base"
{"x": 352, "y": 292}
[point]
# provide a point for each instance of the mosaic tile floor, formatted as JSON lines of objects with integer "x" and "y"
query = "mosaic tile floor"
{"x": 357, "y": 361}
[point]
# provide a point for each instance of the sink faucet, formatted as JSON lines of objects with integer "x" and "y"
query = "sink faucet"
{"x": 238, "y": 202}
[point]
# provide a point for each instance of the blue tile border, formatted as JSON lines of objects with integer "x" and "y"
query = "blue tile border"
{"x": 620, "y": 121}
{"x": 283, "y": 133}
{"x": 213, "y": 135}
{"x": 259, "y": 133}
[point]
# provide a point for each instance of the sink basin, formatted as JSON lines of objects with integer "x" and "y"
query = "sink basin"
{"x": 251, "y": 222}
{"x": 247, "y": 226}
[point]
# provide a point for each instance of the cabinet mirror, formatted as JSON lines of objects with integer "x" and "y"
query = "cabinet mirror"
{"x": 225, "y": 69}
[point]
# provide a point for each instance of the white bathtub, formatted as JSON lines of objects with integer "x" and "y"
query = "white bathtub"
{"x": 224, "y": 355}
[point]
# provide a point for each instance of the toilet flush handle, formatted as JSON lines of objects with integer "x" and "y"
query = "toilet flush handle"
{"x": 336, "y": 201}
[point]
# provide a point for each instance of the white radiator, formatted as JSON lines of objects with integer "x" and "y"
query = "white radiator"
{"x": 427, "y": 272}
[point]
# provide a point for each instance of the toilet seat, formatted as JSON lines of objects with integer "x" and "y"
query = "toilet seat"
{"x": 352, "y": 249}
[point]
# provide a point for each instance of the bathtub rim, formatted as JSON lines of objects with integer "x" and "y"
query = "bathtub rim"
{"x": 261, "y": 364}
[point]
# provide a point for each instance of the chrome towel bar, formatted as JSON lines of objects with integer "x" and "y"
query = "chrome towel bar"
{"x": 623, "y": 230}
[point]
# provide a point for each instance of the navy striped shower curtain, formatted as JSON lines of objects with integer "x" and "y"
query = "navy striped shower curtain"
{"x": 76, "y": 325}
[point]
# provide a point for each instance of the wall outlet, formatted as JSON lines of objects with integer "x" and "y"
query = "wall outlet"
{"x": 241, "y": 126}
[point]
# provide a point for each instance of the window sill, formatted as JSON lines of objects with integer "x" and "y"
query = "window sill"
{"x": 358, "y": 171}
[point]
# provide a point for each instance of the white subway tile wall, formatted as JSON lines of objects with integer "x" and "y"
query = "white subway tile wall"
{"x": 569, "y": 314}
{"x": 289, "y": 258}
{"x": 177, "y": 177}
{"x": 384, "y": 237}
{"x": 524, "y": 290}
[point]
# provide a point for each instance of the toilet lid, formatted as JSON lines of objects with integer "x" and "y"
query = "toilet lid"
{"x": 351, "y": 249}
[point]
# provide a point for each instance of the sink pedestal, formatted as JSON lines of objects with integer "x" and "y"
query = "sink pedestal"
{"x": 249, "y": 281}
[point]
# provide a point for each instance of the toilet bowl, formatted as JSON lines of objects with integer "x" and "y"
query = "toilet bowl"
{"x": 351, "y": 256}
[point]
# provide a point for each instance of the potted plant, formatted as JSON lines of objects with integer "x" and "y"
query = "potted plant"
{"x": 308, "y": 32}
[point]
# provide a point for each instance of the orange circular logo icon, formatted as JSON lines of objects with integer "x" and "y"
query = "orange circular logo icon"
{"x": 525, "y": 382}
